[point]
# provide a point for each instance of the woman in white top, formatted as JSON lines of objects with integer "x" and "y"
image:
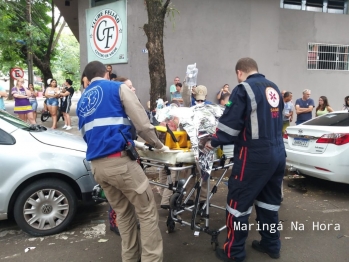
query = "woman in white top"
{"x": 52, "y": 94}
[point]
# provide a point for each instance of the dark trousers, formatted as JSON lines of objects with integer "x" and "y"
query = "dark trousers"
{"x": 256, "y": 178}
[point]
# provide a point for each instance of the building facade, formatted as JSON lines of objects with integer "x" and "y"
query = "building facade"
{"x": 297, "y": 44}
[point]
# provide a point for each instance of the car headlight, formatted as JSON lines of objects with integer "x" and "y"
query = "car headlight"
{"x": 87, "y": 164}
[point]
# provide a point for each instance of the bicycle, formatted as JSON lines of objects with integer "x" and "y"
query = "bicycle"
{"x": 45, "y": 115}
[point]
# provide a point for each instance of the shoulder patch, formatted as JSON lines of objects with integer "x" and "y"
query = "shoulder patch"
{"x": 89, "y": 101}
{"x": 272, "y": 96}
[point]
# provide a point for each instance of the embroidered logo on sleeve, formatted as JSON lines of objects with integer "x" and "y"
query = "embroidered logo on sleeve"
{"x": 229, "y": 104}
{"x": 272, "y": 96}
{"x": 273, "y": 99}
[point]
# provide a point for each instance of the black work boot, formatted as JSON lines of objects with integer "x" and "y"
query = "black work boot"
{"x": 220, "y": 254}
{"x": 257, "y": 246}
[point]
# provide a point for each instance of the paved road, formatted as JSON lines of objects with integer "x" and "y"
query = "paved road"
{"x": 309, "y": 207}
{"x": 324, "y": 203}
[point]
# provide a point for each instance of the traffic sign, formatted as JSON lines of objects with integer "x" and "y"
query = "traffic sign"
{"x": 17, "y": 72}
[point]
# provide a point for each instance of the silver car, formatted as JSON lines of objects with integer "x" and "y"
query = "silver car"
{"x": 43, "y": 176}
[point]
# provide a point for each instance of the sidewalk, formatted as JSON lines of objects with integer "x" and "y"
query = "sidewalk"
{"x": 9, "y": 104}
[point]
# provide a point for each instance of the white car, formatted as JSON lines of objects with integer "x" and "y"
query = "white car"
{"x": 320, "y": 147}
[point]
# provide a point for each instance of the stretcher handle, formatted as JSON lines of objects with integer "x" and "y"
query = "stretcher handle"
{"x": 150, "y": 147}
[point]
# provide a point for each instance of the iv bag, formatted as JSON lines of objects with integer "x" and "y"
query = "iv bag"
{"x": 192, "y": 75}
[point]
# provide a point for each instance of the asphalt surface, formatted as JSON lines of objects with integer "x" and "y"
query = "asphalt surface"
{"x": 309, "y": 208}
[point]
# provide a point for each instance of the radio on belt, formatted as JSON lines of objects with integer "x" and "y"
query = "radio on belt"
{"x": 129, "y": 148}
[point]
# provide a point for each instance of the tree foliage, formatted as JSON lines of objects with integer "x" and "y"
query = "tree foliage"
{"x": 67, "y": 63}
{"x": 16, "y": 34}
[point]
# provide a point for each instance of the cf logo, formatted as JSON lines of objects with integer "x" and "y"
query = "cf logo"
{"x": 104, "y": 32}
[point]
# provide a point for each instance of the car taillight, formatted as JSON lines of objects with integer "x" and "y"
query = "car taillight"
{"x": 285, "y": 135}
{"x": 335, "y": 138}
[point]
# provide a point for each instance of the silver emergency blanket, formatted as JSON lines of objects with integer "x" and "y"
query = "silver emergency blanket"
{"x": 200, "y": 123}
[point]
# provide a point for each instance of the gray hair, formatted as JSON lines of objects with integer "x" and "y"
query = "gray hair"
{"x": 306, "y": 91}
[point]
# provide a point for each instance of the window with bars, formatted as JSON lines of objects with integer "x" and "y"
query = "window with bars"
{"x": 101, "y": 2}
{"x": 328, "y": 57}
{"x": 325, "y": 6}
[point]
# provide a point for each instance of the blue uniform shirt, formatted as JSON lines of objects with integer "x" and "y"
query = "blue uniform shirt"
{"x": 252, "y": 117}
{"x": 102, "y": 118}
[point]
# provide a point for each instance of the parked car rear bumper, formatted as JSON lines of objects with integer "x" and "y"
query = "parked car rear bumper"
{"x": 305, "y": 163}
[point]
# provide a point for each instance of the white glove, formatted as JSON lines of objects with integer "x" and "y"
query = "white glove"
{"x": 163, "y": 149}
{"x": 140, "y": 145}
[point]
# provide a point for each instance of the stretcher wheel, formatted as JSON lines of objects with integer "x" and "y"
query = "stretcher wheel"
{"x": 173, "y": 200}
{"x": 181, "y": 183}
{"x": 214, "y": 245}
{"x": 171, "y": 226}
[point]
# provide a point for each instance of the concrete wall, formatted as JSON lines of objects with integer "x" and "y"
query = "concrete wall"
{"x": 215, "y": 34}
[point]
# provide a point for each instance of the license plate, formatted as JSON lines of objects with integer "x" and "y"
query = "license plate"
{"x": 300, "y": 142}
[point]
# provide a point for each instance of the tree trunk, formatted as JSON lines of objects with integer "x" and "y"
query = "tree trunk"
{"x": 156, "y": 59}
{"x": 47, "y": 74}
{"x": 42, "y": 64}
{"x": 11, "y": 84}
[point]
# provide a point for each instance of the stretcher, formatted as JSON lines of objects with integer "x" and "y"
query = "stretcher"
{"x": 180, "y": 161}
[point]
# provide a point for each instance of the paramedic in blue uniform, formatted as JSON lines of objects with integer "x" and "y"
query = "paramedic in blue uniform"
{"x": 103, "y": 112}
{"x": 252, "y": 121}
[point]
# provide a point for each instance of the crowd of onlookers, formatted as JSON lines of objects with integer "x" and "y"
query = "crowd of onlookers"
{"x": 198, "y": 95}
{"x": 301, "y": 109}
{"x": 26, "y": 103}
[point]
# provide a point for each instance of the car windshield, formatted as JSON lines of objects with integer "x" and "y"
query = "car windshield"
{"x": 333, "y": 119}
{"x": 14, "y": 120}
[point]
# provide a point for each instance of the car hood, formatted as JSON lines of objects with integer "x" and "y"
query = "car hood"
{"x": 60, "y": 139}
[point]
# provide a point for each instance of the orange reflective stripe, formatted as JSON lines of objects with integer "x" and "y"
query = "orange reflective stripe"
{"x": 243, "y": 165}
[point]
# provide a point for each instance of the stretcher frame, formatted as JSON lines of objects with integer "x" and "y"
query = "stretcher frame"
{"x": 181, "y": 195}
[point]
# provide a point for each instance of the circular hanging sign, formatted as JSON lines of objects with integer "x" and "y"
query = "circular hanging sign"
{"x": 106, "y": 34}
{"x": 17, "y": 72}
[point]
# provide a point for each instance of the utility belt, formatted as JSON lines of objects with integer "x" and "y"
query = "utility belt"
{"x": 118, "y": 154}
{"x": 129, "y": 151}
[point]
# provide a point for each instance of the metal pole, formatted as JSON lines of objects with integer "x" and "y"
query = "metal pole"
{"x": 29, "y": 45}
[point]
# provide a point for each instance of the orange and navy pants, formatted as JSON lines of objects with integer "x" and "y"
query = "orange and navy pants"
{"x": 255, "y": 179}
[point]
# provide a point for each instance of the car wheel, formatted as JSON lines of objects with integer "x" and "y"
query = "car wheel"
{"x": 45, "y": 207}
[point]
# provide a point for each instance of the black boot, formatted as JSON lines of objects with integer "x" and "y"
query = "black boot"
{"x": 257, "y": 246}
{"x": 220, "y": 254}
